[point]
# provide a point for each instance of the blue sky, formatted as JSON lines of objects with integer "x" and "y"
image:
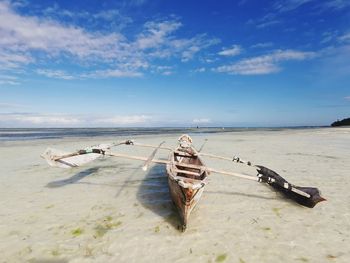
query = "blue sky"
{"x": 174, "y": 63}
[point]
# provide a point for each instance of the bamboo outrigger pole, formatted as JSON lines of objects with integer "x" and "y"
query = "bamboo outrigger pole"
{"x": 150, "y": 158}
{"x": 306, "y": 196}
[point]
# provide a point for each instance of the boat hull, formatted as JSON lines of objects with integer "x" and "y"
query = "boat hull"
{"x": 187, "y": 177}
{"x": 185, "y": 200}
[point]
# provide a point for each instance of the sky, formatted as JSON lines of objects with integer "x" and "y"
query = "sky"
{"x": 165, "y": 63}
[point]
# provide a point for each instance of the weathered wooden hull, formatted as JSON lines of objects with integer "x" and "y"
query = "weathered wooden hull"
{"x": 187, "y": 178}
{"x": 185, "y": 200}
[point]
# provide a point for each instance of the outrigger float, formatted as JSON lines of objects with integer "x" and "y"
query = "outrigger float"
{"x": 187, "y": 174}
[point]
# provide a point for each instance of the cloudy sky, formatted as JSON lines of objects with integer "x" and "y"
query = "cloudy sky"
{"x": 174, "y": 63}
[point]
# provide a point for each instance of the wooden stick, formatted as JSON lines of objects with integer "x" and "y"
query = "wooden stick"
{"x": 249, "y": 177}
{"x": 185, "y": 165}
{"x": 133, "y": 157}
{"x": 216, "y": 156}
{"x": 140, "y": 158}
{"x": 186, "y": 172}
{"x": 57, "y": 158}
{"x": 199, "y": 167}
{"x": 151, "y": 146}
{"x": 239, "y": 160}
{"x": 193, "y": 166}
{"x": 183, "y": 154}
{"x": 150, "y": 158}
{"x": 201, "y": 148}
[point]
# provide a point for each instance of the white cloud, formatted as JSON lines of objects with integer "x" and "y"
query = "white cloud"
{"x": 194, "y": 45}
{"x": 114, "y": 17}
{"x": 163, "y": 70}
{"x": 8, "y": 80}
{"x": 199, "y": 70}
{"x": 162, "y": 44}
{"x": 10, "y": 105}
{"x": 24, "y": 37}
{"x": 336, "y": 4}
{"x": 264, "y": 64}
{"x": 56, "y": 11}
{"x": 67, "y": 120}
{"x": 111, "y": 15}
{"x": 22, "y": 34}
{"x": 262, "y": 45}
{"x": 333, "y": 61}
{"x": 159, "y": 40}
{"x": 289, "y": 5}
{"x": 347, "y": 98}
{"x": 38, "y": 119}
{"x": 335, "y": 36}
{"x": 209, "y": 59}
{"x": 167, "y": 73}
{"x": 232, "y": 51}
{"x": 344, "y": 38}
{"x": 113, "y": 73}
{"x": 9, "y": 77}
{"x": 201, "y": 121}
{"x": 189, "y": 52}
{"x": 57, "y": 74}
{"x": 267, "y": 20}
{"x": 247, "y": 67}
{"x": 156, "y": 34}
{"x": 328, "y": 36}
{"x": 19, "y": 3}
{"x": 268, "y": 23}
{"x": 125, "y": 120}
{"x": 10, "y": 59}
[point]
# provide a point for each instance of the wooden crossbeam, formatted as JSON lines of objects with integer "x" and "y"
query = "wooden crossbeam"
{"x": 186, "y": 172}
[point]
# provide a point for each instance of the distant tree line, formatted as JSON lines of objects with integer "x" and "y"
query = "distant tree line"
{"x": 344, "y": 122}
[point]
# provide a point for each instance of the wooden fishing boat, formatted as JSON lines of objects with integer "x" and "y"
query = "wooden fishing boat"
{"x": 187, "y": 177}
{"x": 187, "y": 174}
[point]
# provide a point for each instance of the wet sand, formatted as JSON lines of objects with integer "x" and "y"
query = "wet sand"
{"x": 112, "y": 211}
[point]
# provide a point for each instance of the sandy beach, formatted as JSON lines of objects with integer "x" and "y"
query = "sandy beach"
{"x": 112, "y": 211}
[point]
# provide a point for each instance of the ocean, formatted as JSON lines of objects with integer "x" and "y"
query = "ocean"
{"x": 18, "y": 134}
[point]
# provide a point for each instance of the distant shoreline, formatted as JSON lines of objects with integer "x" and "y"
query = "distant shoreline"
{"x": 24, "y": 134}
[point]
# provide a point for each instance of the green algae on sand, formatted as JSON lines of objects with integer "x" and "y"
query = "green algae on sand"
{"x": 277, "y": 211}
{"x": 103, "y": 228}
{"x": 302, "y": 259}
{"x": 55, "y": 252}
{"x": 108, "y": 218}
{"x": 221, "y": 257}
{"x": 77, "y": 232}
{"x": 100, "y": 230}
{"x": 157, "y": 229}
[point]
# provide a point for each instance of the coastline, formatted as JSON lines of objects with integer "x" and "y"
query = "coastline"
{"x": 110, "y": 210}
{"x": 21, "y": 134}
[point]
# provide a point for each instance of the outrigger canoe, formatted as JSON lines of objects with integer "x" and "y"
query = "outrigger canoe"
{"x": 187, "y": 177}
{"x": 187, "y": 174}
